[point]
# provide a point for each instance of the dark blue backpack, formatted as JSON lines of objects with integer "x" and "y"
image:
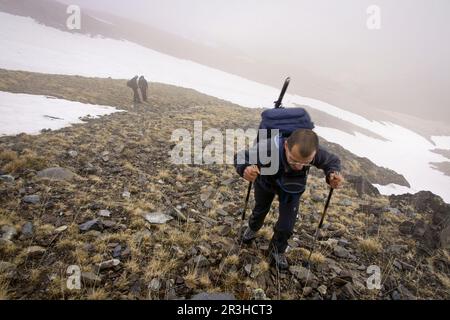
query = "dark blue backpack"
{"x": 287, "y": 120}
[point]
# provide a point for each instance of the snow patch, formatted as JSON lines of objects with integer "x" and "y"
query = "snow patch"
{"x": 394, "y": 189}
{"x": 26, "y": 113}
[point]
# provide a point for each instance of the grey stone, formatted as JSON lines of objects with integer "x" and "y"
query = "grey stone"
{"x": 362, "y": 186}
{"x": 205, "y": 196}
{"x": 108, "y": 264}
{"x": 94, "y": 224}
{"x": 7, "y": 178}
{"x": 60, "y": 229}
{"x": 361, "y": 268}
{"x": 419, "y": 229}
{"x": 228, "y": 181}
{"x": 27, "y": 231}
{"x": 200, "y": 261}
{"x": 229, "y": 220}
{"x": 104, "y": 213}
{"x": 117, "y": 251}
{"x": 155, "y": 284}
{"x": 56, "y": 173}
{"x": 322, "y": 290}
{"x": 397, "y": 248}
{"x": 397, "y": 264}
{"x": 222, "y": 212}
{"x": 248, "y": 268}
{"x": 32, "y": 199}
{"x": 208, "y": 204}
{"x": 346, "y": 202}
{"x": 344, "y": 242}
{"x": 34, "y": 251}
{"x": 316, "y": 197}
{"x": 302, "y": 274}
{"x": 8, "y": 232}
{"x": 157, "y": 217}
{"x": 224, "y": 230}
{"x": 407, "y": 266}
{"x": 406, "y": 227}
{"x": 307, "y": 291}
{"x": 395, "y": 295}
{"x": 373, "y": 229}
{"x": 72, "y": 153}
{"x": 405, "y": 293}
{"x": 109, "y": 223}
{"x": 341, "y": 252}
{"x": 393, "y": 210}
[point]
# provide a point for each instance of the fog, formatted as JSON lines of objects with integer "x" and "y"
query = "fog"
{"x": 325, "y": 46}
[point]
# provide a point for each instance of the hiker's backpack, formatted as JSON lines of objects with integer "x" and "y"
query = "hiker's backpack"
{"x": 287, "y": 120}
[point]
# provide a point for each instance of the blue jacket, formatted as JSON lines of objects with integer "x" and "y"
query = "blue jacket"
{"x": 323, "y": 159}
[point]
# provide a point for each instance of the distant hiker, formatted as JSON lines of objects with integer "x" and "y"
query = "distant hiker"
{"x": 296, "y": 154}
{"x": 143, "y": 85}
{"x": 133, "y": 84}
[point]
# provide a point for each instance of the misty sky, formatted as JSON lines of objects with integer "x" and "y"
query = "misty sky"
{"x": 407, "y": 60}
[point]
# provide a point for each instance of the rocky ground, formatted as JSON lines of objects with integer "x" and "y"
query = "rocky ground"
{"x": 103, "y": 196}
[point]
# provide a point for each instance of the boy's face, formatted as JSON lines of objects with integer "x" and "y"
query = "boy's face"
{"x": 295, "y": 160}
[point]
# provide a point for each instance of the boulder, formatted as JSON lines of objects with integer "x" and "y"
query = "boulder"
{"x": 56, "y": 173}
{"x": 362, "y": 186}
{"x": 32, "y": 199}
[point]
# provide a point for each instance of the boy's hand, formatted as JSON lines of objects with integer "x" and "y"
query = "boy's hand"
{"x": 335, "y": 180}
{"x": 251, "y": 173}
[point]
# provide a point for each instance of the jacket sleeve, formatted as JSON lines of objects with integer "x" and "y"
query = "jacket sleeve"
{"x": 251, "y": 156}
{"x": 242, "y": 159}
{"x": 326, "y": 161}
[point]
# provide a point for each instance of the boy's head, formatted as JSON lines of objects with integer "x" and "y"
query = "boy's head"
{"x": 301, "y": 147}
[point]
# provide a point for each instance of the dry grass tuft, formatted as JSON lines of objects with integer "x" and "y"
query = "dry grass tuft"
{"x": 370, "y": 246}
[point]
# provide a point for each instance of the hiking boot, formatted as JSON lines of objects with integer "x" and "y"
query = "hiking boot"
{"x": 279, "y": 260}
{"x": 248, "y": 235}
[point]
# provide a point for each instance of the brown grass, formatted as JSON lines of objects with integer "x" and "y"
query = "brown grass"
{"x": 370, "y": 246}
{"x": 27, "y": 161}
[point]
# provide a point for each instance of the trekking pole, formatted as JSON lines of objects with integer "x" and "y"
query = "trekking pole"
{"x": 246, "y": 199}
{"x": 277, "y": 105}
{"x": 320, "y": 225}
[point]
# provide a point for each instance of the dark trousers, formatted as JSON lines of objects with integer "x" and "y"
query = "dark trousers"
{"x": 284, "y": 227}
{"x": 144, "y": 93}
{"x": 136, "y": 97}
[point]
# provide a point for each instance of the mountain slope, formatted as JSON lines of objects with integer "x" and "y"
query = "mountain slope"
{"x": 119, "y": 163}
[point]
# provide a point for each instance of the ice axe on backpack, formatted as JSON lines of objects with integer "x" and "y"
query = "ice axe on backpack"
{"x": 277, "y": 104}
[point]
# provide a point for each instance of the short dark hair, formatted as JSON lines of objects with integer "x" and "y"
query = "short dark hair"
{"x": 306, "y": 139}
